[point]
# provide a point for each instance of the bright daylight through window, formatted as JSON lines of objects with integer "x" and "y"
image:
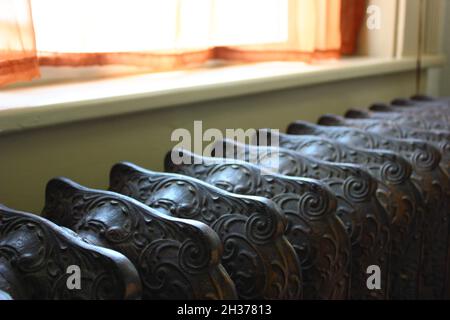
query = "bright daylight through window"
{"x": 124, "y": 26}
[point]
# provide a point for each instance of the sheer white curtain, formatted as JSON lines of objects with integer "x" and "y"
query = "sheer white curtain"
{"x": 156, "y": 25}
{"x": 157, "y": 34}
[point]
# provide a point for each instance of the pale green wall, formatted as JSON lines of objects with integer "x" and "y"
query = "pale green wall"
{"x": 445, "y": 80}
{"x": 85, "y": 151}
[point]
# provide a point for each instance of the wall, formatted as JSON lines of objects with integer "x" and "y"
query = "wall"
{"x": 85, "y": 151}
{"x": 436, "y": 41}
{"x": 445, "y": 73}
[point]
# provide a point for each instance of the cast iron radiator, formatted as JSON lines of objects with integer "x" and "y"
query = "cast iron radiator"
{"x": 357, "y": 208}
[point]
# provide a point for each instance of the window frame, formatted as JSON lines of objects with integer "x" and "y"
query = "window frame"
{"x": 37, "y": 114}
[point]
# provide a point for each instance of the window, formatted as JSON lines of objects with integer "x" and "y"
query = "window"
{"x": 171, "y": 34}
{"x": 155, "y": 25}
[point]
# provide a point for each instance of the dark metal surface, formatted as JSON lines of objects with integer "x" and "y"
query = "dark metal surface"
{"x": 427, "y": 177}
{"x": 318, "y": 236}
{"x": 396, "y": 193}
{"x": 438, "y": 138}
{"x": 257, "y": 255}
{"x": 175, "y": 258}
{"x": 365, "y": 219}
{"x": 35, "y": 255}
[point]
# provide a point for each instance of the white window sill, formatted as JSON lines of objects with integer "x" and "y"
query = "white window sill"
{"x": 47, "y": 104}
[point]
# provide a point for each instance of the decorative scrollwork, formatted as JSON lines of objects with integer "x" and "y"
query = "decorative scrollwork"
{"x": 395, "y": 172}
{"x": 358, "y": 189}
{"x": 407, "y": 118}
{"x": 260, "y": 229}
{"x": 175, "y": 258}
{"x": 438, "y": 139}
{"x": 193, "y": 257}
{"x": 366, "y": 221}
{"x": 425, "y": 157}
{"x": 257, "y": 255}
{"x": 313, "y": 205}
{"x": 310, "y": 209}
{"x": 422, "y": 155}
{"x": 35, "y": 254}
{"x": 427, "y": 176}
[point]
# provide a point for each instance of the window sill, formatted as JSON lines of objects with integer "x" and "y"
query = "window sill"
{"x": 22, "y": 108}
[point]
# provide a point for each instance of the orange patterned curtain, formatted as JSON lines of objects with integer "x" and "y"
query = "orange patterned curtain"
{"x": 18, "y": 60}
{"x": 171, "y": 34}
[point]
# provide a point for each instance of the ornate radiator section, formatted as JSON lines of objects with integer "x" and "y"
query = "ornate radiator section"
{"x": 175, "y": 258}
{"x": 35, "y": 255}
{"x": 260, "y": 260}
{"x": 357, "y": 207}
